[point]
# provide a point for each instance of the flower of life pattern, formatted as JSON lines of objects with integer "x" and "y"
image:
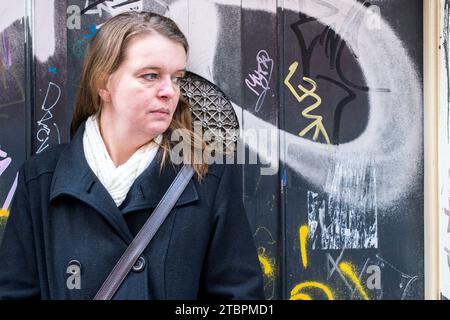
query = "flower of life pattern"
{"x": 211, "y": 109}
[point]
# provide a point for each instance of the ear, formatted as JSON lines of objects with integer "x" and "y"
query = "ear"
{"x": 105, "y": 95}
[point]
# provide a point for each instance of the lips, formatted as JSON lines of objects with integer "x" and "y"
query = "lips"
{"x": 160, "y": 111}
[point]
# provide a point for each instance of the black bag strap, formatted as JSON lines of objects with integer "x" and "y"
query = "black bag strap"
{"x": 142, "y": 239}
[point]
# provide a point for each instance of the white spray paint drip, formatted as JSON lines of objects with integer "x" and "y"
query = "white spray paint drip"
{"x": 202, "y": 30}
{"x": 385, "y": 63}
{"x": 10, "y": 13}
{"x": 353, "y": 184}
{"x": 262, "y": 5}
{"x": 45, "y": 36}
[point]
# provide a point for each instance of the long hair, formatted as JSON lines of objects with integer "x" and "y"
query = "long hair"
{"x": 106, "y": 53}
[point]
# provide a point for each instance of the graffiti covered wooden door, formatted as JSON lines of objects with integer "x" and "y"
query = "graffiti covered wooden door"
{"x": 327, "y": 96}
{"x": 354, "y": 168}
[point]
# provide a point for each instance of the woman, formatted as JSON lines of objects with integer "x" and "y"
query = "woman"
{"x": 78, "y": 206}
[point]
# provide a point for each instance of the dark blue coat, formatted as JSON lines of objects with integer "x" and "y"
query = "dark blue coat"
{"x": 61, "y": 212}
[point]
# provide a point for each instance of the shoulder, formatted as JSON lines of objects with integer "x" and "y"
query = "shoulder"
{"x": 42, "y": 163}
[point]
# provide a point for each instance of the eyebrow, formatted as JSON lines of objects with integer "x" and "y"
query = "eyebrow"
{"x": 158, "y": 68}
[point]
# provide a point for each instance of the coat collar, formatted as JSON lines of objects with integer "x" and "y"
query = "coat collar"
{"x": 74, "y": 177}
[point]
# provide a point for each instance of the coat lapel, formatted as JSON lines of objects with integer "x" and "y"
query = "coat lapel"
{"x": 152, "y": 184}
{"x": 74, "y": 177}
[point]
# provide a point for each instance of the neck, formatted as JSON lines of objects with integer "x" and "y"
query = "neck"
{"x": 120, "y": 143}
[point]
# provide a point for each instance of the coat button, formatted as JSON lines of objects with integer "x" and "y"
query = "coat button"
{"x": 139, "y": 265}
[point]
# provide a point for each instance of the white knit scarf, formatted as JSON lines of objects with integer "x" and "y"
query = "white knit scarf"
{"x": 117, "y": 180}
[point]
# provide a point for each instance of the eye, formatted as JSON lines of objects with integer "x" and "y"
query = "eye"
{"x": 150, "y": 76}
{"x": 177, "y": 80}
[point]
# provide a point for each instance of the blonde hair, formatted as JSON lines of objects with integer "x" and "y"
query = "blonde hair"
{"x": 106, "y": 53}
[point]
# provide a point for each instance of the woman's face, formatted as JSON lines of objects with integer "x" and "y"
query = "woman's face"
{"x": 140, "y": 97}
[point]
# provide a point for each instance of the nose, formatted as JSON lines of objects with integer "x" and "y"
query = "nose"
{"x": 167, "y": 88}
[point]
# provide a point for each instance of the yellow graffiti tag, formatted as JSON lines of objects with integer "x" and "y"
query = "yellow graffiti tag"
{"x": 296, "y": 295}
{"x": 317, "y": 123}
{"x": 301, "y": 296}
{"x": 4, "y": 213}
{"x": 298, "y": 292}
{"x": 303, "y": 234}
{"x": 266, "y": 265}
{"x": 348, "y": 270}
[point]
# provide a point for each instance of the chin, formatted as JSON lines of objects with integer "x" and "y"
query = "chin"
{"x": 156, "y": 130}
